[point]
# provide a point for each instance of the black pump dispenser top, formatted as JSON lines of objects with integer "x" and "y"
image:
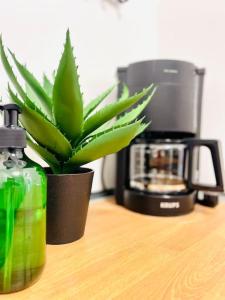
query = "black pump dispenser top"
{"x": 11, "y": 114}
{"x": 12, "y": 136}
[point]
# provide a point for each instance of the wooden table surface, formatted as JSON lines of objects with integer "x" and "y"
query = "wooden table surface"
{"x": 128, "y": 256}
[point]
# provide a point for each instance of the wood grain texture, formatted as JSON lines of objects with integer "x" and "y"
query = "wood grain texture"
{"x": 129, "y": 256}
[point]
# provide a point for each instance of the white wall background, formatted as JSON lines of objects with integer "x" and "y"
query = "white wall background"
{"x": 106, "y": 35}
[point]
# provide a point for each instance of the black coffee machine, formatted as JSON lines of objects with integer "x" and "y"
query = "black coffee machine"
{"x": 158, "y": 173}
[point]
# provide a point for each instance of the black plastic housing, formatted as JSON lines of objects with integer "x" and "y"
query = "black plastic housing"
{"x": 175, "y": 113}
{"x": 12, "y": 136}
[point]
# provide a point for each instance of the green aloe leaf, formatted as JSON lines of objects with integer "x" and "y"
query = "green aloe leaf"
{"x": 110, "y": 142}
{"x": 134, "y": 113}
{"x": 67, "y": 97}
{"x": 31, "y": 95}
{"x": 125, "y": 93}
{"x": 142, "y": 127}
{"x": 47, "y": 156}
{"x": 10, "y": 72}
{"x": 14, "y": 80}
{"x": 28, "y": 102}
{"x": 95, "y": 102}
{"x": 128, "y": 117}
{"x": 111, "y": 110}
{"x": 47, "y": 85}
{"x": 43, "y": 131}
{"x": 14, "y": 97}
{"x": 33, "y": 83}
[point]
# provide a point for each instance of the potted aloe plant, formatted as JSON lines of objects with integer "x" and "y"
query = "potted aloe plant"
{"x": 67, "y": 134}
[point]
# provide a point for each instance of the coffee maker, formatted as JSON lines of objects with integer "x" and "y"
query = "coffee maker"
{"x": 158, "y": 174}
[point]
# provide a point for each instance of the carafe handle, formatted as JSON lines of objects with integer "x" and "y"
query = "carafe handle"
{"x": 213, "y": 146}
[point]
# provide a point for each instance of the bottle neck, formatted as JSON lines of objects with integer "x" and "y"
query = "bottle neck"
{"x": 17, "y": 153}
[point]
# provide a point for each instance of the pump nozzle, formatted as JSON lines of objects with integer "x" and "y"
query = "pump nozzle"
{"x": 11, "y": 115}
{"x": 11, "y": 135}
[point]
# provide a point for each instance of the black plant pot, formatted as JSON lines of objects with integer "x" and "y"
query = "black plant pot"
{"x": 67, "y": 205}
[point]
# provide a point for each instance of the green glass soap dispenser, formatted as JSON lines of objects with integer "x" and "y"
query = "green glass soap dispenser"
{"x": 22, "y": 208}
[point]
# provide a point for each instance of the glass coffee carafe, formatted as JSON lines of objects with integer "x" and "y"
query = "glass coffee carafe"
{"x": 171, "y": 166}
